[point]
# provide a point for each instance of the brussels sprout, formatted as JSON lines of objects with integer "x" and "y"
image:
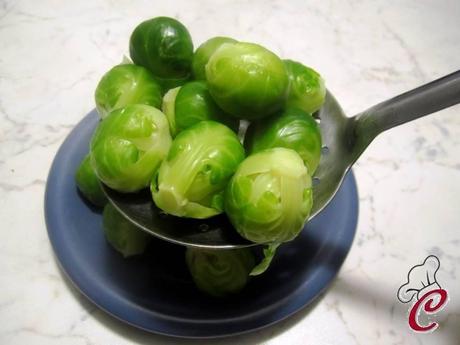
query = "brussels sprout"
{"x": 171, "y": 83}
{"x": 88, "y": 183}
{"x": 270, "y": 197}
{"x": 123, "y": 235}
{"x": 220, "y": 272}
{"x": 191, "y": 180}
{"x": 306, "y": 87}
{"x": 128, "y": 147}
{"x": 168, "y": 107}
{"x": 164, "y": 46}
{"x": 125, "y": 85}
{"x": 294, "y": 129}
{"x": 204, "y": 52}
{"x": 247, "y": 80}
{"x": 191, "y": 104}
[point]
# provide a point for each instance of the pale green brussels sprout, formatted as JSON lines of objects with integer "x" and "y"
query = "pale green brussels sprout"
{"x": 125, "y": 85}
{"x": 307, "y": 90}
{"x": 293, "y": 129}
{"x": 168, "y": 108}
{"x": 88, "y": 183}
{"x": 220, "y": 272}
{"x": 191, "y": 180}
{"x": 204, "y": 52}
{"x": 269, "y": 198}
{"x": 247, "y": 80}
{"x": 128, "y": 147}
{"x": 123, "y": 235}
{"x": 192, "y": 103}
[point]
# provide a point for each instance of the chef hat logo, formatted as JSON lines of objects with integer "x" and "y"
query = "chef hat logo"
{"x": 420, "y": 280}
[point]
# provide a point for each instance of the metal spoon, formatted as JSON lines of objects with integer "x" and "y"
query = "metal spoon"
{"x": 344, "y": 139}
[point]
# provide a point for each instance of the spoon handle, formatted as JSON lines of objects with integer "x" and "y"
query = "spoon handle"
{"x": 411, "y": 105}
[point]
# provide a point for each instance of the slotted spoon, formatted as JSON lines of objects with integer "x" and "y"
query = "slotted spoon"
{"x": 344, "y": 139}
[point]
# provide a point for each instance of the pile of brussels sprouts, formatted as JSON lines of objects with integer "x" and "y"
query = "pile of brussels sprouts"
{"x": 173, "y": 120}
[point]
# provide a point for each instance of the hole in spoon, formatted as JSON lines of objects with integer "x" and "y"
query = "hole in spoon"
{"x": 315, "y": 181}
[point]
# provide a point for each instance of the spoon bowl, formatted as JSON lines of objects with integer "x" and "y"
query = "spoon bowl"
{"x": 217, "y": 232}
{"x": 214, "y": 232}
{"x": 344, "y": 140}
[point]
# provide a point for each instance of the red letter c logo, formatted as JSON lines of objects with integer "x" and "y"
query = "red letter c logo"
{"x": 429, "y": 309}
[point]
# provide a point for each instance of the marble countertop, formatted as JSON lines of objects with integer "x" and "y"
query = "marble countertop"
{"x": 53, "y": 54}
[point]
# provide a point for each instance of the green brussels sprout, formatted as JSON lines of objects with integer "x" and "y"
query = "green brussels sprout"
{"x": 247, "y": 80}
{"x": 192, "y": 178}
{"x": 294, "y": 129}
{"x": 220, "y": 272}
{"x": 164, "y": 46}
{"x": 123, "y": 235}
{"x": 307, "y": 90}
{"x": 269, "y": 198}
{"x": 88, "y": 183}
{"x": 128, "y": 147}
{"x": 192, "y": 103}
{"x": 171, "y": 83}
{"x": 204, "y": 52}
{"x": 125, "y": 85}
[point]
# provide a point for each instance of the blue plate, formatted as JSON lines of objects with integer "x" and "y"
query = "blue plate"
{"x": 155, "y": 291}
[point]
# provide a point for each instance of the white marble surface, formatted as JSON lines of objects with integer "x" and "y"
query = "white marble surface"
{"x": 53, "y": 54}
